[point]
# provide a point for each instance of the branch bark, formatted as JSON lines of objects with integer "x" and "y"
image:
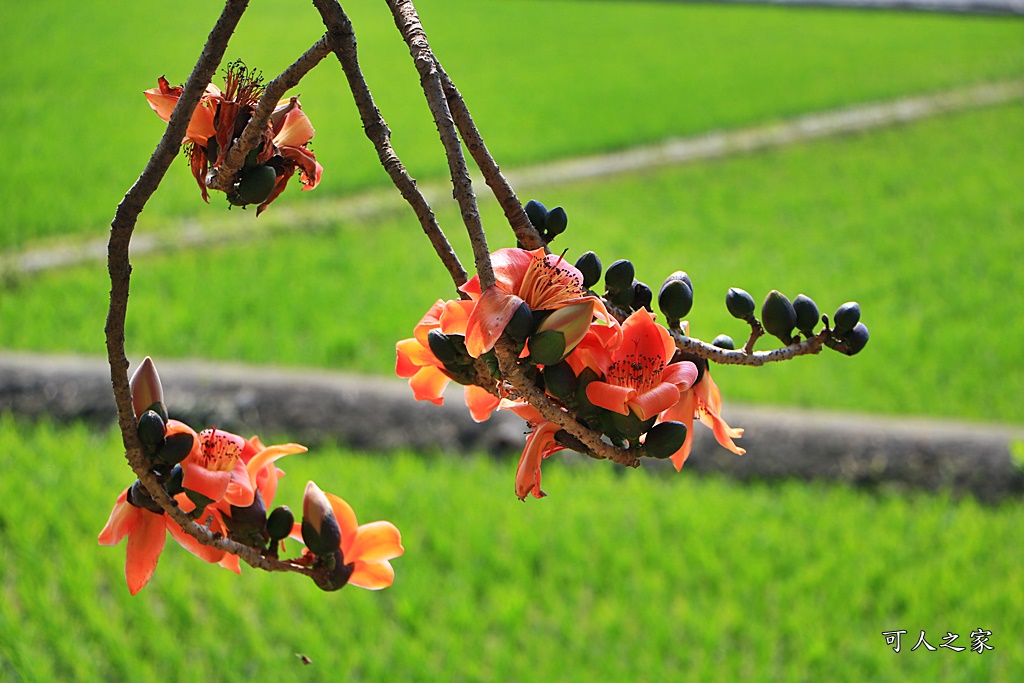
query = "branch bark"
{"x": 343, "y": 43}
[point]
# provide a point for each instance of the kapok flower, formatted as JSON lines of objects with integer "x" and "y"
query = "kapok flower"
{"x": 704, "y": 401}
{"x": 427, "y": 375}
{"x": 147, "y": 534}
{"x": 221, "y": 117}
{"x": 539, "y": 444}
{"x": 214, "y": 467}
{"x": 365, "y": 549}
{"x": 638, "y": 375}
{"x": 544, "y": 281}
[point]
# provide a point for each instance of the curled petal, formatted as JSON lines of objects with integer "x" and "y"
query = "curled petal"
{"x": 610, "y": 396}
{"x": 658, "y": 399}
{"x": 488, "y": 320}
{"x": 539, "y": 445}
{"x": 372, "y": 575}
{"x": 305, "y": 160}
{"x": 374, "y": 542}
{"x": 412, "y": 356}
{"x": 124, "y": 518}
{"x": 145, "y": 544}
{"x": 347, "y": 522}
{"x": 241, "y": 489}
{"x": 681, "y": 374}
{"x": 481, "y": 402}
{"x": 266, "y": 457}
{"x": 211, "y": 484}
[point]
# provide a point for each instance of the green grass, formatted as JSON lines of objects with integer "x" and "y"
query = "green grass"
{"x": 917, "y": 223}
{"x": 573, "y": 78}
{"x": 617, "y": 575}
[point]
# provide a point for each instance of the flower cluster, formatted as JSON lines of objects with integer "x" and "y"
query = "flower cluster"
{"x": 227, "y": 484}
{"x": 623, "y": 378}
{"x": 219, "y": 120}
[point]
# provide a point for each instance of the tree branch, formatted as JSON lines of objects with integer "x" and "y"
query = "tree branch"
{"x": 745, "y": 357}
{"x": 343, "y": 42}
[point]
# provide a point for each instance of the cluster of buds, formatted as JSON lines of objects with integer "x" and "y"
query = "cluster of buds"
{"x": 226, "y": 484}
{"x": 218, "y": 122}
{"x": 601, "y": 360}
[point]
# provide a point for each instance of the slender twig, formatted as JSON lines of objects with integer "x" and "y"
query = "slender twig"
{"x": 224, "y": 176}
{"x": 119, "y": 268}
{"x": 408, "y": 23}
{"x": 343, "y": 42}
{"x": 743, "y": 357}
{"x": 524, "y": 230}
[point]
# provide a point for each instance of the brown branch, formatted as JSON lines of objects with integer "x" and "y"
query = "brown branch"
{"x": 343, "y": 42}
{"x": 408, "y": 23}
{"x": 223, "y": 177}
{"x": 119, "y": 268}
{"x": 503, "y": 192}
{"x": 743, "y": 357}
{"x": 512, "y": 372}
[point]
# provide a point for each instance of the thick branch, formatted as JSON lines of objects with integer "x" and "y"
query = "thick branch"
{"x": 343, "y": 42}
{"x": 223, "y": 177}
{"x": 503, "y": 192}
{"x": 408, "y": 23}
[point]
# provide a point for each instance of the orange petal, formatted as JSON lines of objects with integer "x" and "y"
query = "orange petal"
{"x": 270, "y": 455}
{"x": 241, "y": 489}
{"x": 411, "y": 356}
{"x": 455, "y": 316}
{"x": 658, "y": 399}
{"x": 372, "y": 575}
{"x": 145, "y": 544}
{"x": 681, "y": 374}
{"x": 213, "y": 485}
{"x": 203, "y": 552}
{"x": 682, "y": 411}
{"x": 124, "y": 518}
{"x": 347, "y": 522}
{"x": 431, "y": 320}
{"x": 610, "y": 397}
{"x": 488, "y": 320}
{"x": 481, "y": 402}
{"x": 296, "y": 130}
{"x": 374, "y": 542}
{"x": 428, "y": 384}
{"x": 528, "y": 472}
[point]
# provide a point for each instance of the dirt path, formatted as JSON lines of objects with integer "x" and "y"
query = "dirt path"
{"x": 313, "y": 215}
{"x": 379, "y": 414}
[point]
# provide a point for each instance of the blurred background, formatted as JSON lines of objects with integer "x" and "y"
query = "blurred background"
{"x": 616, "y": 574}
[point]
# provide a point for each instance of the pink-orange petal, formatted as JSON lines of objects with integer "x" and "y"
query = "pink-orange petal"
{"x": 270, "y": 455}
{"x": 658, "y": 399}
{"x": 610, "y": 396}
{"x": 488, "y": 320}
{"x": 241, "y": 490}
{"x": 681, "y": 374}
{"x": 411, "y": 355}
{"x": 145, "y": 544}
{"x": 374, "y": 542}
{"x": 428, "y": 384}
{"x": 211, "y": 484}
{"x": 203, "y": 552}
{"x": 481, "y": 402}
{"x": 124, "y": 517}
{"x": 296, "y": 129}
{"x": 372, "y": 575}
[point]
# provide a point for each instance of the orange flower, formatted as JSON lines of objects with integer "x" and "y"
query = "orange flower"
{"x": 292, "y": 132}
{"x": 638, "y": 375}
{"x": 427, "y": 375}
{"x": 544, "y": 281}
{"x": 704, "y": 401}
{"x": 365, "y": 549}
{"x": 163, "y": 99}
{"x": 214, "y": 467}
{"x": 146, "y": 532}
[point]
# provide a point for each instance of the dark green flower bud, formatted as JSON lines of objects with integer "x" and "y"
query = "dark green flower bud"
{"x": 560, "y": 381}
{"x": 556, "y": 222}
{"x": 537, "y": 213}
{"x": 622, "y": 298}
{"x": 442, "y": 347}
{"x": 248, "y": 524}
{"x": 174, "y": 480}
{"x": 724, "y": 341}
{"x": 320, "y": 530}
{"x": 681, "y": 275}
{"x": 547, "y": 348}
{"x": 675, "y": 298}
{"x": 250, "y": 158}
{"x": 254, "y": 187}
{"x": 740, "y": 304}
{"x": 337, "y": 573}
{"x": 212, "y": 149}
{"x": 175, "y": 448}
{"x": 629, "y": 426}
{"x": 846, "y": 317}
{"x": 590, "y": 266}
{"x": 521, "y": 324}
{"x": 140, "y": 498}
{"x": 856, "y": 339}
{"x": 280, "y": 523}
{"x": 664, "y": 439}
{"x": 642, "y": 297}
{"x": 619, "y": 276}
{"x": 198, "y": 499}
{"x": 778, "y": 316}
{"x": 807, "y": 314}
{"x": 151, "y": 430}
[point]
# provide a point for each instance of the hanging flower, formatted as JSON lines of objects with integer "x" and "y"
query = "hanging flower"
{"x": 428, "y": 376}
{"x": 220, "y": 118}
{"x": 545, "y": 282}
{"x": 638, "y": 374}
{"x": 539, "y": 444}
